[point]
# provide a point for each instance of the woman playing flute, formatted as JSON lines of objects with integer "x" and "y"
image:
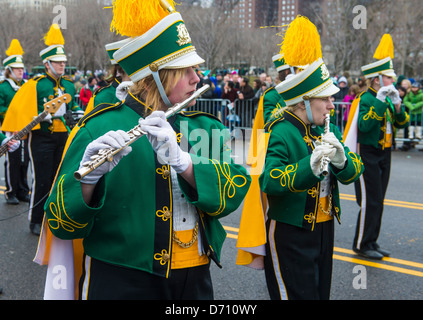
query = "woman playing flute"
{"x": 302, "y": 200}
{"x": 149, "y": 219}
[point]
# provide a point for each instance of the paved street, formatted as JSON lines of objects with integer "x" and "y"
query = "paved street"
{"x": 399, "y": 277}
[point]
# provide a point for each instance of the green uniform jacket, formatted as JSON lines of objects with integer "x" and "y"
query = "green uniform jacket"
{"x": 2, "y": 137}
{"x": 6, "y": 95}
{"x": 291, "y": 187}
{"x": 47, "y": 88}
{"x": 372, "y": 119}
{"x": 106, "y": 94}
{"x": 272, "y": 102}
{"x": 130, "y": 220}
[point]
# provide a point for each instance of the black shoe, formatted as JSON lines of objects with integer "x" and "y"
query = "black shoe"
{"x": 35, "y": 228}
{"x": 371, "y": 254}
{"x": 384, "y": 252}
{"x": 12, "y": 200}
{"x": 25, "y": 198}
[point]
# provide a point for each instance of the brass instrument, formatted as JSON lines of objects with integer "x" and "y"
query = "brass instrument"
{"x": 134, "y": 134}
{"x": 324, "y": 165}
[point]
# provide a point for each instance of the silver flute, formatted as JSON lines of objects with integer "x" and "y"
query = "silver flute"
{"x": 324, "y": 164}
{"x": 135, "y": 133}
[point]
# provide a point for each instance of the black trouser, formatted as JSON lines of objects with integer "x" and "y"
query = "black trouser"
{"x": 298, "y": 262}
{"x": 46, "y": 151}
{"x": 16, "y": 171}
{"x": 370, "y": 192}
{"x": 104, "y": 281}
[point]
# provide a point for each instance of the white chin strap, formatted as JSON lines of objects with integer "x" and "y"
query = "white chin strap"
{"x": 308, "y": 110}
{"x": 12, "y": 74}
{"x": 52, "y": 69}
{"x": 161, "y": 89}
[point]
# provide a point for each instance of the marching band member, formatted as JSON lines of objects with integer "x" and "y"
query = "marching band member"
{"x": 373, "y": 116}
{"x": 47, "y": 139}
{"x": 252, "y": 234}
{"x": 16, "y": 162}
{"x": 120, "y": 83}
{"x": 149, "y": 219}
{"x": 302, "y": 200}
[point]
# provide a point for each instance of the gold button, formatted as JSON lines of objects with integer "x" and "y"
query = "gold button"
{"x": 166, "y": 257}
{"x": 167, "y": 214}
{"x": 154, "y": 67}
{"x": 166, "y": 173}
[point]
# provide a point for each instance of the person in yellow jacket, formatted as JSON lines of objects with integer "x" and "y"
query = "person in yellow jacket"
{"x": 48, "y": 138}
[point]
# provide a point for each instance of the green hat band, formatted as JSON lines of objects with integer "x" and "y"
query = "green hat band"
{"x": 172, "y": 42}
{"x": 319, "y": 77}
{"x": 377, "y": 69}
{"x": 13, "y": 60}
{"x": 51, "y": 52}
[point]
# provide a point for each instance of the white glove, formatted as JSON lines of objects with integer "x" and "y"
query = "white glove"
{"x": 12, "y": 147}
{"x": 316, "y": 157}
{"x": 163, "y": 140}
{"x": 393, "y": 94}
{"x": 122, "y": 89}
{"x": 339, "y": 158}
{"x": 47, "y": 119}
{"x": 114, "y": 139}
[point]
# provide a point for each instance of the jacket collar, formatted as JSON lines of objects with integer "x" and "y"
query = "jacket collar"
{"x": 306, "y": 130}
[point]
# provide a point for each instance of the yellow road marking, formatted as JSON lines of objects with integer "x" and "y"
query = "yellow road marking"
{"x": 388, "y": 202}
{"x": 378, "y": 265}
{"x": 361, "y": 261}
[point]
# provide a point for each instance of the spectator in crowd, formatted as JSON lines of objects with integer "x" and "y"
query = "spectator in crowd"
{"x": 101, "y": 81}
{"x": 414, "y": 102}
{"x": 349, "y": 98}
{"x": 339, "y": 97}
{"x": 269, "y": 82}
{"x": 87, "y": 91}
{"x": 246, "y": 92}
{"x": 235, "y": 79}
{"x": 229, "y": 91}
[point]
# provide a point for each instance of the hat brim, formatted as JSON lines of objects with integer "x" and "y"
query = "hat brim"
{"x": 188, "y": 60}
{"x": 328, "y": 92}
{"x": 58, "y": 59}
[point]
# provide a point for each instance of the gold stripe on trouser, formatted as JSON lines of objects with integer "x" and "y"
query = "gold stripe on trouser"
{"x": 275, "y": 261}
{"x": 86, "y": 284}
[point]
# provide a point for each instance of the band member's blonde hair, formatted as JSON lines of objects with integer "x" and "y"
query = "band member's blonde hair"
{"x": 146, "y": 89}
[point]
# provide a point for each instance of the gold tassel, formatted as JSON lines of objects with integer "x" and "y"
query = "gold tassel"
{"x": 54, "y": 36}
{"x": 15, "y": 49}
{"x": 301, "y": 44}
{"x": 133, "y": 18}
{"x": 385, "y": 48}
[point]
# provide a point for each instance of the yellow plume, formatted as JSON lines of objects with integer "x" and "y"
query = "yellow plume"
{"x": 15, "y": 49}
{"x": 301, "y": 44}
{"x": 385, "y": 48}
{"x": 54, "y": 36}
{"x": 133, "y": 18}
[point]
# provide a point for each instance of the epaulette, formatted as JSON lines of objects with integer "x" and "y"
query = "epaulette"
{"x": 66, "y": 77}
{"x": 268, "y": 126}
{"x": 195, "y": 113}
{"x": 268, "y": 89}
{"x": 38, "y": 78}
{"x": 101, "y": 89}
{"x": 100, "y": 109}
